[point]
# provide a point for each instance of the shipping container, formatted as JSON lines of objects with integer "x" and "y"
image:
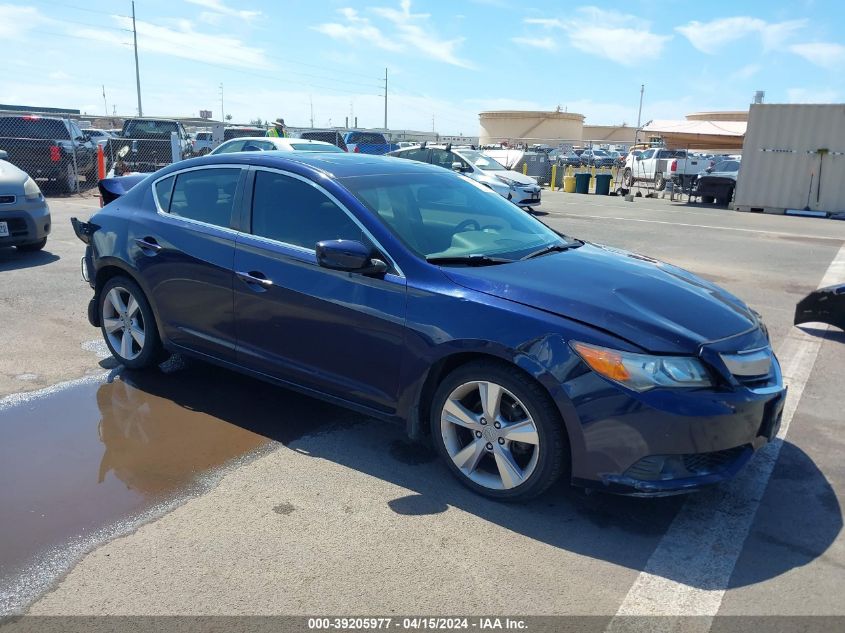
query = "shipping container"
{"x": 793, "y": 157}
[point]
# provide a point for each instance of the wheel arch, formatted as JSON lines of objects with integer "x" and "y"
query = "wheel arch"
{"x": 114, "y": 267}
{"x": 418, "y": 415}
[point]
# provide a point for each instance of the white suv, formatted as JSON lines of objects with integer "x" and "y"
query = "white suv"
{"x": 522, "y": 190}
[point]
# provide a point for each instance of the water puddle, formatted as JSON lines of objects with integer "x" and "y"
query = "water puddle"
{"x": 76, "y": 460}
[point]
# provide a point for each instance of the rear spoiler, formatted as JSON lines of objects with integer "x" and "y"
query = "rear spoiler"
{"x": 112, "y": 188}
{"x": 825, "y": 305}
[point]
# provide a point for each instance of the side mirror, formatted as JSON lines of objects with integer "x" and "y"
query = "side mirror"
{"x": 639, "y": 157}
{"x": 4, "y": 155}
{"x": 456, "y": 166}
{"x": 349, "y": 256}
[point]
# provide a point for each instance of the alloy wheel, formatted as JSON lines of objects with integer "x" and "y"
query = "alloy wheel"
{"x": 489, "y": 435}
{"x": 123, "y": 322}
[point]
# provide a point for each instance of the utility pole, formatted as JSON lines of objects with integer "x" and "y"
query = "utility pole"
{"x": 639, "y": 114}
{"x": 432, "y": 123}
{"x": 105, "y": 103}
{"x": 222, "y": 111}
{"x": 311, "y": 102}
{"x": 385, "y": 99}
{"x": 137, "y": 72}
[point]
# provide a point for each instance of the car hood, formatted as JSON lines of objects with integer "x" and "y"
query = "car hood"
{"x": 510, "y": 174}
{"x": 11, "y": 176}
{"x": 656, "y": 306}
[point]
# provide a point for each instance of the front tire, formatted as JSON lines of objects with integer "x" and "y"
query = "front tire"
{"x": 128, "y": 324}
{"x": 498, "y": 431}
{"x": 628, "y": 177}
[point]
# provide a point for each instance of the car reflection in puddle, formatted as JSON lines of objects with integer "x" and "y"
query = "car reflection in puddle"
{"x": 82, "y": 463}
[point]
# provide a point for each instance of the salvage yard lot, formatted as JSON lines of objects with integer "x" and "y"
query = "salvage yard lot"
{"x": 342, "y": 515}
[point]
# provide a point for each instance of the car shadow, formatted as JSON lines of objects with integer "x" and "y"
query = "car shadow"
{"x": 13, "y": 259}
{"x": 620, "y": 530}
{"x": 832, "y": 334}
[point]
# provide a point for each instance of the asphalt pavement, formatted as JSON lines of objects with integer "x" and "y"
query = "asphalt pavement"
{"x": 320, "y": 510}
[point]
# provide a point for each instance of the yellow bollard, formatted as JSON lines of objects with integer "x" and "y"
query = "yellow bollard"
{"x": 524, "y": 169}
{"x": 554, "y": 177}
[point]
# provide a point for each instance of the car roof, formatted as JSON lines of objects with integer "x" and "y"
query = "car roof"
{"x": 335, "y": 164}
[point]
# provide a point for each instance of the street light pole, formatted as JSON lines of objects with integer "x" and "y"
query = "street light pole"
{"x": 385, "y": 99}
{"x": 639, "y": 114}
{"x": 137, "y": 72}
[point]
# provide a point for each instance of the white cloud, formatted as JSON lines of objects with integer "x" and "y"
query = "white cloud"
{"x": 608, "y": 34}
{"x": 809, "y": 95}
{"x": 183, "y": 41}
{"x": 746, "y": 72}
{"x": 16, "y": 21}
{"x": 546, "y": 43}
{"x": 217, "y": 6}
{"x": 709, "y": 37}
{"x": 824, "y": 54}
{"x": 411, "y": 32}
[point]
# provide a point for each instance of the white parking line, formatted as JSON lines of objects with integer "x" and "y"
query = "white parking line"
{"x": 700, "y": 226}
{"x": 688, "y": 572}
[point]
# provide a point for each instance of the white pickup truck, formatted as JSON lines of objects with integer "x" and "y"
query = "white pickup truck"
{"x": 657, "y": 165}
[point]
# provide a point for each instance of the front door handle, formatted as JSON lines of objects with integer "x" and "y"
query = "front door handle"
{"x": 148, "y": 245}
{"x": 254, "y": 278}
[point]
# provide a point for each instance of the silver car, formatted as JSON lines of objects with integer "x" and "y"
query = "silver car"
{"x": 520, "y": 189}
{"x": 24, "y": 214}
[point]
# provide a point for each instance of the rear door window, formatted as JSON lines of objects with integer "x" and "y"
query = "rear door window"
{"x": 205, "y": 195}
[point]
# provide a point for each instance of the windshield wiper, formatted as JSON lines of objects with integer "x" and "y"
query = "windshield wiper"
{"x": 468, "y": 260}
{"x": 552, "y": 248}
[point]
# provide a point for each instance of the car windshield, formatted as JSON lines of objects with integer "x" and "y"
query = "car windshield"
{"x": 150, "y": 129}
{"x": 728, "y": 165}
{"x": 449, "y": 216}
{"x": 481, "y": 161}
{"x": 315, "y": 147}
{"x": 599, "y": 152}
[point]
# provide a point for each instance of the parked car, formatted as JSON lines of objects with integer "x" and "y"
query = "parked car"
{"x": 148, "y": 143}
{"x": 241, "y": 131}
{"x": 368, "y": 143}
{"x": 411, "y": 293}
{"x": 24, "y": 214}
{"x": 270, "y": 143}
{"x": 100, "y": 137}
{"x": 329, "y": 136}
{"x": 717, "y": 184}
{"x": 49, "y": 149}
{"x": 202, "y": 143}
{"x": 522, "y": 190}
{"x": 564, "y": 158}
{"x": 658, "y": 165}
{"x": 597, "y": 158}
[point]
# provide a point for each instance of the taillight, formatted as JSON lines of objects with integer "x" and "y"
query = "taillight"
{"x": 356, "y": 150}
{"x": 674, "y": 166}
{"x": 55, "y": 154}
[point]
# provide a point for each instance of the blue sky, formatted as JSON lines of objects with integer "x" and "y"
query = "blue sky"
{"x": 446, "y": 59}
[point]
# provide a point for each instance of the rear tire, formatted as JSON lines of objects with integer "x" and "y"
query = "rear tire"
{"x": 32, "y": 247}
{"x": 707, "y": 199}
{"x": 68, "y": 182}
{"x": 659, "y": 182}
{"x": 485, "y": 454}
{"x": 128, "y": 324}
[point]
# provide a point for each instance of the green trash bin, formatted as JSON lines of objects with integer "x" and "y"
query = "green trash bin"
{"x": 582, "y": 183}
{"x": 603, "y": 184}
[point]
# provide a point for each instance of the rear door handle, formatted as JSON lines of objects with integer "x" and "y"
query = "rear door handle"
{"x": 148, "y": 245}
{"x": 254, "y": 278}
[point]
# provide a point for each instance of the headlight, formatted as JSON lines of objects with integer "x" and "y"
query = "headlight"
{"x": 31, "y": 191}
{"x": 642, "y": 372}
{"x": 510, "y": 183}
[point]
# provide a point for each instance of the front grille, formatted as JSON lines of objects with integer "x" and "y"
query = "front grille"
{"x": 668, "y": 467}
{"x": 706, "y": 463}
{"x": 17, "y": 226}
{"x": 7, "y": 199}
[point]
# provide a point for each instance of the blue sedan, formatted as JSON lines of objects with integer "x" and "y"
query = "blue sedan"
{"x": 414, "y": 294}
